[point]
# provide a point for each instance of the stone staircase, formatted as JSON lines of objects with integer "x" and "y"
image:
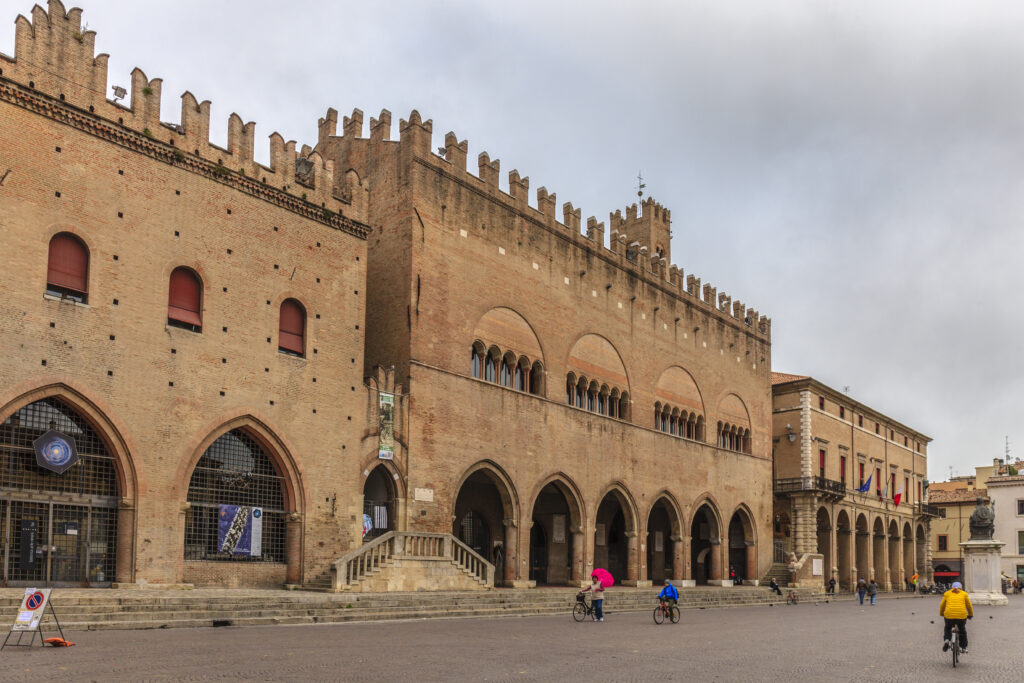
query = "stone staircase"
{"x": 94, "y": 609}
{"x": 779, "y": 571}
{"x": 408, "y": 561}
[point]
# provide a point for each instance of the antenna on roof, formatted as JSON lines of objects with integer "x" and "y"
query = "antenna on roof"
{"x": 846, "y": 390}
{"x": 640, "y": 185}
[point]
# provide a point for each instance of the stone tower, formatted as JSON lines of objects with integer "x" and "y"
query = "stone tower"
{"x": 651, "y": 227}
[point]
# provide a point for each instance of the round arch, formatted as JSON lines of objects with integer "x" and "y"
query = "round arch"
{"x": 594, "y": 355}
{"x": 509, "y": 330}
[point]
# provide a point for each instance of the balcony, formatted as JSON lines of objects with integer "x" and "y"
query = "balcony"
{"x": 932, "y": 510}
{"x": 826, "y": 487}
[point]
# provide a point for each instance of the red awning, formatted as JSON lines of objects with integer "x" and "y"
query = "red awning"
{"x": 947, "y": 573}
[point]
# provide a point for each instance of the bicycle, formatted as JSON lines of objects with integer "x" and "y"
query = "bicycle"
{"x": 582, "y": 608}
{"x": 665, "y": 610}
{"x": 954, "y": 644}
{"x": 791, "y": 599}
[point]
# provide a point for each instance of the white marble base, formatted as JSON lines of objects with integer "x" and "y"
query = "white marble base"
{"x": 686, "y": 583}
{"x": 981, "y": 572}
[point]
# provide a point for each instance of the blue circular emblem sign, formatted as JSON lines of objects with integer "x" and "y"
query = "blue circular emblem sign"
{"x": 55, "y": 451}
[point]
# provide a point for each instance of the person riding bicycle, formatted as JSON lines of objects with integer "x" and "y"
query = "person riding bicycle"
{"x": 669, "y": 593}
{"x": 956, "y": 609}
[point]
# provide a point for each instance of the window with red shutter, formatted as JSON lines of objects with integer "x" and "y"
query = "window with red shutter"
{"x": 67, "y": 268}
{"x": 184, "y": 300}
{"x": 292, "y": 336}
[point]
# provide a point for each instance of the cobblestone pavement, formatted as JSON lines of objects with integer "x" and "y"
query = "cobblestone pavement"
{"x": 896, "y": 640}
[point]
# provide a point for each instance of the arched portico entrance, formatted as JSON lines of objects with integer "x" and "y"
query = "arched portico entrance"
{"x": 664, "y": 542}
{"x": 705, "y": 560}
{"x": 908, "y": 552}
{"x": 556, "y": 552}
{"x": 615, "y": 539}
{"x": 895, "y": 577}
{"x": 380, "y": 503}
{"x": 825, "y": 543}
{"x": 742, "y": 555}
{"x": 484, "y": 518}
{"x": 863, "y": 542}
{"x": 878, "y": 552}
{"x": 61, "y": 528}
{"x": 843, "y": 540}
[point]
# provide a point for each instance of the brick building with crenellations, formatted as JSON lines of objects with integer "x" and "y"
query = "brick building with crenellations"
{"x": 384, "y": 364}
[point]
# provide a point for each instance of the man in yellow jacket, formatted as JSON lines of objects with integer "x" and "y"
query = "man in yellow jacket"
{"x": 956, "y": 609}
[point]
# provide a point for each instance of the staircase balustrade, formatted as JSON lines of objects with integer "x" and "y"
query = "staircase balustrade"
{"x": 365, "y": 560}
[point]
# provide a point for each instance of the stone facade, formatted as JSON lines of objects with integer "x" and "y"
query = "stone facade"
{"x": 823, "y": 440}
{"x": 462, "y": 272}
{"x": 561, "y": 402}
{"x": 144, "y": 198}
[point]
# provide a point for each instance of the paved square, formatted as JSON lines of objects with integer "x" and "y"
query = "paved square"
{"x": 839, "y": 641}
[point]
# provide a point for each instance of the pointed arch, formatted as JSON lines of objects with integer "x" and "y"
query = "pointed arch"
{"x": 626, "y": 501}
{"x": 95, "y": 411}
{"x": 503, "y": 482}
{"x": 673, "y": 507}
{"x": 569, "y": 489}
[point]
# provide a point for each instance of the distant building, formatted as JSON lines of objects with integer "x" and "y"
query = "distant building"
{"x": 1007, "y": 494}
{"x": 952, "y": 529}
{"x": 826, "y": 446}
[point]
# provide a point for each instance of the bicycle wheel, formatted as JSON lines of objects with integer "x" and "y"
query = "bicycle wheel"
{"x": 955, "y": 648}
{"x": 579, "y": 611}
{"x": 674, "y": 614}
{"x": 659, "y": 615}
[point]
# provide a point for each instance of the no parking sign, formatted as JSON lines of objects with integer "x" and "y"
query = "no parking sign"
{"x": 31, "y": 611}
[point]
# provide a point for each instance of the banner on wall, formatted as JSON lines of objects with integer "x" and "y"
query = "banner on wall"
{"x": 386, "y": 446}
{"x": 240, "y": 530}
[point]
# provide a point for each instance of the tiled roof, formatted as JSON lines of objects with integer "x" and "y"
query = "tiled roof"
{"x": 783, "y": 377}
{"x": 1005, "y": 479}
{"x": 958, "y": 496}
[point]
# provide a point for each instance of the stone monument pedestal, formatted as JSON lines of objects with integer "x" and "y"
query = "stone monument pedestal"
{"x": 981, "y": 572}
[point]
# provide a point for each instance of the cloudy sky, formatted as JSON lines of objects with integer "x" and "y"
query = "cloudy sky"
{"x": 853, "y": 170}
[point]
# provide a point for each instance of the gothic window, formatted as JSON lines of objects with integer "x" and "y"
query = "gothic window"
{"x": 235, "y": 480}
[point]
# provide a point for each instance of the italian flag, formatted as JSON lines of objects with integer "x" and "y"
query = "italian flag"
{"x": 898, "y": 496}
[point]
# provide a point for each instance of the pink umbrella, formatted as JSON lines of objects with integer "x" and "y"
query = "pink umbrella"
{"x": 604, "y": 576}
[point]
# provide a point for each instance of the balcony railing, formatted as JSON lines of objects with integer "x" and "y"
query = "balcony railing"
{"x": 933, "y": 510}
{"x": 820, "y": 484}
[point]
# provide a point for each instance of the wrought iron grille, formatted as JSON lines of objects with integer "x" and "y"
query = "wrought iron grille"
{"x": 94, "y": 473}
{"x": 234, "y": 470}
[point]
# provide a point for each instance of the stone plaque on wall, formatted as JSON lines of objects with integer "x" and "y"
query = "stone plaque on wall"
{"x": 424, "y": 495}
{"x": 659, "y": 541}
{"x": 600, "y": 535}
{"x": 817, "y": 566}
{"x": 558, "y": 528}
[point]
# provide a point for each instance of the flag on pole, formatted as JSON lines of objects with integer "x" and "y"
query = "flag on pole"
{"x": 898, "y": 496}
{"x": 885, "y": 493}
{"x": 867, "y": 485}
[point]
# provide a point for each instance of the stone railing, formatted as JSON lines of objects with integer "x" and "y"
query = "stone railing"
{"x": 393, "y": 545}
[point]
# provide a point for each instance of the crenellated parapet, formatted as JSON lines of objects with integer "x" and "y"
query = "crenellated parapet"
{"x": 54, "y": 60}
{"x": 639, "y": 237}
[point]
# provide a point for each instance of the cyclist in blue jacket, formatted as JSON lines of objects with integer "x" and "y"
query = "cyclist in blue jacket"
{"x": 669, "y": 593}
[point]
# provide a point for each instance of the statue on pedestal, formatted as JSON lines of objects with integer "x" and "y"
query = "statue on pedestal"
{"x": 983, "y": 521}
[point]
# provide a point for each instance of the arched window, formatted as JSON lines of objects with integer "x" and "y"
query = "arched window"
{"x": 581, "y": 388}
{"x": 292, "y": 334}
{"x": 519, "y": 378}
{"x": 613, "y": 403}
{"x": 185, "y": 300}
{"x": 235, "y": 481}
{"x": 477, "y": 362}
{"x": 490, "y": 368}
{"x": 506, "y": 371}
{"x": 537, "y": 379}
{"x": 67, "y": 268}
{"x": 624, "y": 406}
{"x": 570, "y": 388}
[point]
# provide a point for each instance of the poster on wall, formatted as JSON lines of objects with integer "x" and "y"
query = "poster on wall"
{"x": 240, "y": 530}
{"x": 659, "y": 542}
{"x": 386, "y": 446}
{"x": 558, "y": 528}
{"x": 599, "y": 535}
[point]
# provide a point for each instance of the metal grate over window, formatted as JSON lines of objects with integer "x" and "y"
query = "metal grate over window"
{"x": 234, "y": 470}
{"x": 93, "y": 475}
